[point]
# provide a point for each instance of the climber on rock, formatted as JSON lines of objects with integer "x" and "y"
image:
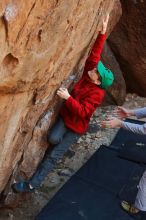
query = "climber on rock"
{"x": 75, "y": 114}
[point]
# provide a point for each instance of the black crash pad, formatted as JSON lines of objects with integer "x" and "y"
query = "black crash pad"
{"x": 95, "y": 191}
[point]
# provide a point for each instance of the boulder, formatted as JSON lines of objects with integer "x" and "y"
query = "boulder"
{"x": 44, "y": 44}
{"x": 117, "y": 92}
{"x": 129, "y": 45}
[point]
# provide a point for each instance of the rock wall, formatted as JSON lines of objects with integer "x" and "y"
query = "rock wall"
{"x": 128, "y": 41}
{"x": 118, "y": 88}
{"x": 43, "y": 44}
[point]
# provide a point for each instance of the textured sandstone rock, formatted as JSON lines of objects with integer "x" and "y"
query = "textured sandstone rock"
{"x": 43, "y": 44}
{"x": 129, "y": 45}
{"x": 115, "y": 94}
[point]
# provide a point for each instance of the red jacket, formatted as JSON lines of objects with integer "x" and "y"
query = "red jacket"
{"x": 85, "y": 96}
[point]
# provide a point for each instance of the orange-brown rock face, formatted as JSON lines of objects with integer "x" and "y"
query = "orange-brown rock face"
{"x": 42, "y": 43}
{"x": 128, "y": 41}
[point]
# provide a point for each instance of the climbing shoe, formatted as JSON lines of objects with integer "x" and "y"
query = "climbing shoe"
{"x": 22, "y": 187}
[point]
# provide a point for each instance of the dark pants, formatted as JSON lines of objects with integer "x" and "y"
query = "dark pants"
{"x": 62, "y": 138}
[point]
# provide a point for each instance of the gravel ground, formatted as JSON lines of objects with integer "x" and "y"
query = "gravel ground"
{"x": 72, "y": 161}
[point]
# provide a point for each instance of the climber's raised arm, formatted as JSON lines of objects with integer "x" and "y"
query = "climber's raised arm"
{"x": 95, "y": 54}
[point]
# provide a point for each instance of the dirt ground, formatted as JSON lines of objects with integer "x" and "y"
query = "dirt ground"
{"x": 72, "y": 161}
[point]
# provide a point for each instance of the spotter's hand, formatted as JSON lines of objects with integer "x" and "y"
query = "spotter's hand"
{"x": 122, "y": 112}
{"x": 113, "y": 123}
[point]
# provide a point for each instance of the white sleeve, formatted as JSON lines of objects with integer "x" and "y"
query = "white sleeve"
{"x": 135, "y": 128}
{"x": 140, "y": 112}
